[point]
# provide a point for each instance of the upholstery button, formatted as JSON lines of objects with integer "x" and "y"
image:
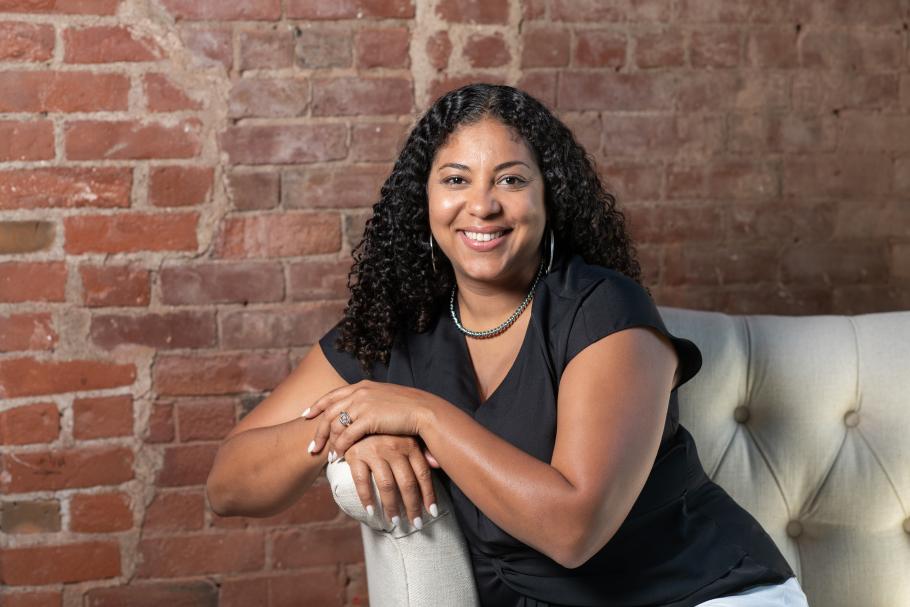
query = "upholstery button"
{"x": 794, "y": 528}
{"x": 741, "y": 414}
{"x": 851, "y": 418}
{"x": 907, "y": 524}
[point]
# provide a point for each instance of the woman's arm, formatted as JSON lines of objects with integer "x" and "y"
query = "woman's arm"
{"x": 612, "y": 404}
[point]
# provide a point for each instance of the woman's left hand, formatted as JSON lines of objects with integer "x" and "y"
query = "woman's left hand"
{"x": 374, "y": 408}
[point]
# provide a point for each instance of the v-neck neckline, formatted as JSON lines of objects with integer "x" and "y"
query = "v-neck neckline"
{"x": 468, "y": 361}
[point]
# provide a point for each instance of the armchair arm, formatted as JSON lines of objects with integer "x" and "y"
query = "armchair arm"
{"x": 406, "y": 566}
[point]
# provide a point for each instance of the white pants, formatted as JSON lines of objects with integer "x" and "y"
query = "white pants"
{"x": 786, "y": 594}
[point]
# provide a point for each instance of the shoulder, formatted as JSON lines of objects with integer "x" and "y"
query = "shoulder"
{"x": 581, "y": 284}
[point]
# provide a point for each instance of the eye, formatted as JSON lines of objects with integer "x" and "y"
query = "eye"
{"x": 518, "y": 180}
{"x": 450, "y": 178}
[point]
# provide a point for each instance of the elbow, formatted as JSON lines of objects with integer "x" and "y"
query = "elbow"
{"x": 215, "y": 495}
{"x": 582, "y": 541}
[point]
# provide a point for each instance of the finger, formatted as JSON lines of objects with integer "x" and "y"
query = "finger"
{"x": 326, "y": 400}
{"x": 425, "y": 479}
{"x": 388, "y": 489}
{"x": 430, "y": 459}
{"x": 320, "y": 436}
{"x": 409, "y": 489}
{"x": 360, "y": 472}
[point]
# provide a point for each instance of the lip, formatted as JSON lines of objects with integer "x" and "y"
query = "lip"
{"x": 485, "y": 229}
{"x": 483, "y": 246}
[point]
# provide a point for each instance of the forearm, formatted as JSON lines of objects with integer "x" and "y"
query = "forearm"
{"x": 262, "y": 471}
{"x": 529, "y": 499}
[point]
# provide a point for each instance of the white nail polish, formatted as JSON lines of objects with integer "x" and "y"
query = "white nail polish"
{"x": 311, "y": 446}
{"x": 418, "y": 522}
{"x": 305, "y": 412}
{"x": 330, "y": 457}
{"x": 434, "y": 510}
{"x": 370, "y": 509}
{"x": 395, "y": 520}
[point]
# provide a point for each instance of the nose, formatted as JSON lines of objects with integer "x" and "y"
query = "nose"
{"x": 483, "y": 202}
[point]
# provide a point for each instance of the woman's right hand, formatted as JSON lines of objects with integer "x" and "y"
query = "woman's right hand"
{"x": 400, "y": 466}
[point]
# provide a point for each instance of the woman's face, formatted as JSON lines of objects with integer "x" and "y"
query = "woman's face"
{"x": 485, "y": 177}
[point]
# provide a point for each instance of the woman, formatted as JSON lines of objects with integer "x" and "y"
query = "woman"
{"x": 555, "y": 428}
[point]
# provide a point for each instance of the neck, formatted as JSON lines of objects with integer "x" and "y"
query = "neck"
{"x": 486, "y": 305}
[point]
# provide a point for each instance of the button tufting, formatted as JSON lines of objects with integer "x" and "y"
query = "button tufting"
{"x": 851, "y": 418}
{"x": 794, "y": 528}
{"x": 741, "y": 414}
{"x": 907, "y": 524}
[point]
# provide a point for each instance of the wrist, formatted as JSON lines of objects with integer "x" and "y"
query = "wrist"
{"x": 427, "y": 415}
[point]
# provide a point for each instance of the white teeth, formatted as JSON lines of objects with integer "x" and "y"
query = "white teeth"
{"x": 483, "y": 237}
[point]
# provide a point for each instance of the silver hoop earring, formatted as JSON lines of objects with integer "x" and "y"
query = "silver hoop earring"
{"x": 432, "y": 257}
{"x": 552, "y": 248}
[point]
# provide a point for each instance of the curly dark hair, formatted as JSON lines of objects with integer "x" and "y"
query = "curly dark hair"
{"x": 395, "y": 287}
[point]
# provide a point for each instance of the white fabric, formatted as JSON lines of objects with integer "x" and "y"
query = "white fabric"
{"x": 786, "y": 594}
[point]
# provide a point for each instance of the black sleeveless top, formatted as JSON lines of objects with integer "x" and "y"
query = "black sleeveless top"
{"x": 685, "y": 541}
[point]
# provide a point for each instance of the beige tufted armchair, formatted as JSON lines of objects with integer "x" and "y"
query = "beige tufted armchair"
{"x": 805, "y": 421}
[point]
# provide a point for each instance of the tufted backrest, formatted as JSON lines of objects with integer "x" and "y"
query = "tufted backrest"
{"x": 804, "y": 421}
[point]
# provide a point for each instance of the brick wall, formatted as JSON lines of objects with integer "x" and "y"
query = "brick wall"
{"x": 181, "y": 184}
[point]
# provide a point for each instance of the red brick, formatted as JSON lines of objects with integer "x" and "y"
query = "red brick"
{"x": 609, "y": 90}
{"x": 269, "y": 97}
{"x": 660, "y": 49}
{"x": 710, "y": 264}
{"x": 788, "y": 222}
{"x": 218, "y": 373}
{"x": 108, "y": 44}
{"x": 814, "y": 89}
{"x": 254, "y": 190}
{"x": 835, "y": 263}
{"x": 319, "y": 47}
{"x": 847, "y": 13}
{"x": 600, "y": 48}
{"x": 284, "y": 144}
{"x": 316, "y": 505}
{"x": 49, "y": 91}
{"x": 28, "y": 236}
{"x": 35, "y": 423}
{"x": 100, "y": 512}
{"x": 186, "y": 464}
{"x": 26, "y": 41}
{"x": 267, "y": 48}
{"x": 170, "y": 511}
{"x": 103, "y": 416}
{"x": 30, "y": 377}
{"x": 351, "y": 9}
{"x": 593, "y": 11}
{"x": 483, "y": 50}
{"x": 286, "y": 234}
{"x": 276, "y": 329}
{"x": 233, "y": 282}
{"x": 855, "y": 175}
{"x": 474, "y": 11}
{"x": 715, "y": 49}
{"x": 732, "y": 89}
{"x": 385, "y": 47}
{"x": 39, "y": 565}
{"x": 298, "y": 548}
{"x": 130, "y": 140}
{"x": 875, "y": 132}
{"x": 224, "y": 10}
{"x": 65, "y": 187}
{"x": 350, "y": 96}
{"x": 773, "y": 48}
{"x": 313, "y": 280}
{"x": 27, "y": 517}
{"x": 68, "y": 7}
{"x": 207, "y": 419}
{"x": 67, "y": 469}
{"x": 439, "y": 49}
{"x": 743, "y": 179}
{"x": 853, "y": 50}
{"x": 442, "y": 85}
{"x": 324, "y": 589}
{"x": 114, "y": 286}
{"x": 33, "y": 598}
{"x": 376, "y": 141}
{"x": 190, "y": 329}
{"x": 175, "y": 186}
{"x": 162, "y": 95}
{"x": 130, "y": 232}
{"x": 32, "y": 281}
{"x": 545, "y": 47}
{"x": 209, "y": 46}
{"x": 21, "y": 140}
{"x": 540, "y": 84}
{"x": 161, "y": 423}
{"x": 333, "y": 188}
{"x": 220, "y": 553}
{"x": 27, "y": 332}
{"x": 190, "y": 593}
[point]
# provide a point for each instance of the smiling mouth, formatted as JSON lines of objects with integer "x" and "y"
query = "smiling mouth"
{"x": 484, "y": 237}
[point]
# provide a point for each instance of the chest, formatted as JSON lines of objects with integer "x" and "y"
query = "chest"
{"x": 493, "y": 358}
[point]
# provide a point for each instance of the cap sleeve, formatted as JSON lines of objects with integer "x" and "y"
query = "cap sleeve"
{"x": 345, "y": 363}
{"x": 619, "y": 302}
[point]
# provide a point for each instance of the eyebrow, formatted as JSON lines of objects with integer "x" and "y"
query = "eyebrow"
{"x": 498, "y": 167}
